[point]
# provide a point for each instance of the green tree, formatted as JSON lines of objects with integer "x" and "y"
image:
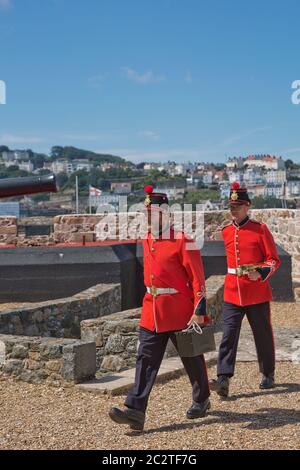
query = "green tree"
{"x": 56, "y": 152}
{"x": 3, "y": 148}
{"x": 12, "y": 172}
{"x": 73, "y": 153}
{"x": 200, "y": 185}
{"x": 61, "y": 179}
{"x": 38, "y": 160}
{"x": 83, "y": 182}
{"x": 268, "y": 202}
{"x": 195, "y": 197}
{"x": 290, "y": 165}
{"x": 40, "y": 197}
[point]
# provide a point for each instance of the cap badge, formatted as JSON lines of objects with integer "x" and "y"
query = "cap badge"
{"x": 147, "y": 200}
{"x": 234, "y": 196}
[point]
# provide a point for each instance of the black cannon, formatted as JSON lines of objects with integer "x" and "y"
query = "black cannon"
{"x": 27, "y": 185}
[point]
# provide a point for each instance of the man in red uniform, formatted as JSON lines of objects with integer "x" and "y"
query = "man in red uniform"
{"x": 175, "y": 297}
{"x": 246, "y": 291}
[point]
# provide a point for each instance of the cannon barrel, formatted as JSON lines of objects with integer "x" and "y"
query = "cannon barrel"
{"x": 27, "y": 185}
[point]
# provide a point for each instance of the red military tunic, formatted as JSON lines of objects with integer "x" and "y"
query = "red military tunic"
{"x": 249, "y": 243}
{"x": 170, "y": 312}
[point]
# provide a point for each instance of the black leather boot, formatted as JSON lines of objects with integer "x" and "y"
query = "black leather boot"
{"x": 134, "y": 418}
{"x": 221, "y": 385}
{"x": 198, "y": 410}
{"x": 267, "y": 382}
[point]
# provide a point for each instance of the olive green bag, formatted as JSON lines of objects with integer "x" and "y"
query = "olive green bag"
{"x": 195, "y": 340}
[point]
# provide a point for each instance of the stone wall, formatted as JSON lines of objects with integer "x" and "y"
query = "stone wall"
{"x": 14, "y": 233}
{"x": 285, "y": 227}
{"x": 116, "y": 338}
{"x": 72, "y": 228}
{"x": 116, "y": 335}
{"x": 283, "y": 223}
{"x": 56, "y": 362}
{"x": 8, "y": 230}
{"x": 61, "y": 318}
{"x": 214, "y": 297}
{"x": 22, "y": 232}
{"x": 34, "y": 240}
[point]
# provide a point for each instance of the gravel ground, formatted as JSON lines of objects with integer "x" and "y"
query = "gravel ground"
{"x": 4, "y": 306}
{"x": 36, "y": 417}
{"x": 285, "y": 313}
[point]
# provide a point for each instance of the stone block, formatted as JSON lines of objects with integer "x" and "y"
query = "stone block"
{"x": 19, "y": 351}
{"x": 32, "y": 365}
{"x": 50, "y": 351}
{"x": 79, "y": 362}
{"x": 33, "y": 355}
{"x": 115, "y": 344}
{"x": 78, "y": 237}
{"x": 54, "y": 365}
{"x": 112, "y": 363}
{"x": 13, "y": 366}
{"x": 8, "y": 230}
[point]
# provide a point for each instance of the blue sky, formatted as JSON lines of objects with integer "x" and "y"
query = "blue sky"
{"x": 151, "y": 80}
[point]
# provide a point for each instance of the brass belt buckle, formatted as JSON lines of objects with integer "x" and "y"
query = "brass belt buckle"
{"x": 239, "y": 271}
{"x": 153, "y": 291}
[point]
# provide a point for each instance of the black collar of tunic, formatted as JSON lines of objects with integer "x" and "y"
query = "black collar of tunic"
{"x": 242, "y": 222}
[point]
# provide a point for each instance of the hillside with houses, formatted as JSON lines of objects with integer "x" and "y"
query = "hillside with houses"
{"x": 271, "y": 181}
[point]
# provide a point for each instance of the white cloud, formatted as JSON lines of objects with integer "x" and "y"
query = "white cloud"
{"x": 5, "y": 4}
{"x": 11, "y": 139}
{"x": 244, "y": 135}
{"x": 143, "y": 79}
{"x": 160, "y": 155}
{"x": 151, "y": 135}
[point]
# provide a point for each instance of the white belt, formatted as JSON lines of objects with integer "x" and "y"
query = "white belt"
{"x": 232, "y": 271}
{"x": 161, "y": 290}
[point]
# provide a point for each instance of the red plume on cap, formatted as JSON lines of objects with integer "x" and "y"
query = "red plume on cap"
{"x": 235, "y": 185}
{"x": 148, "y": 189}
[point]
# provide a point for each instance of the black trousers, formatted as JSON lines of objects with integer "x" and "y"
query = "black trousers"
{"x": 150, "y": 355}
{"x": 259, "y": 318}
